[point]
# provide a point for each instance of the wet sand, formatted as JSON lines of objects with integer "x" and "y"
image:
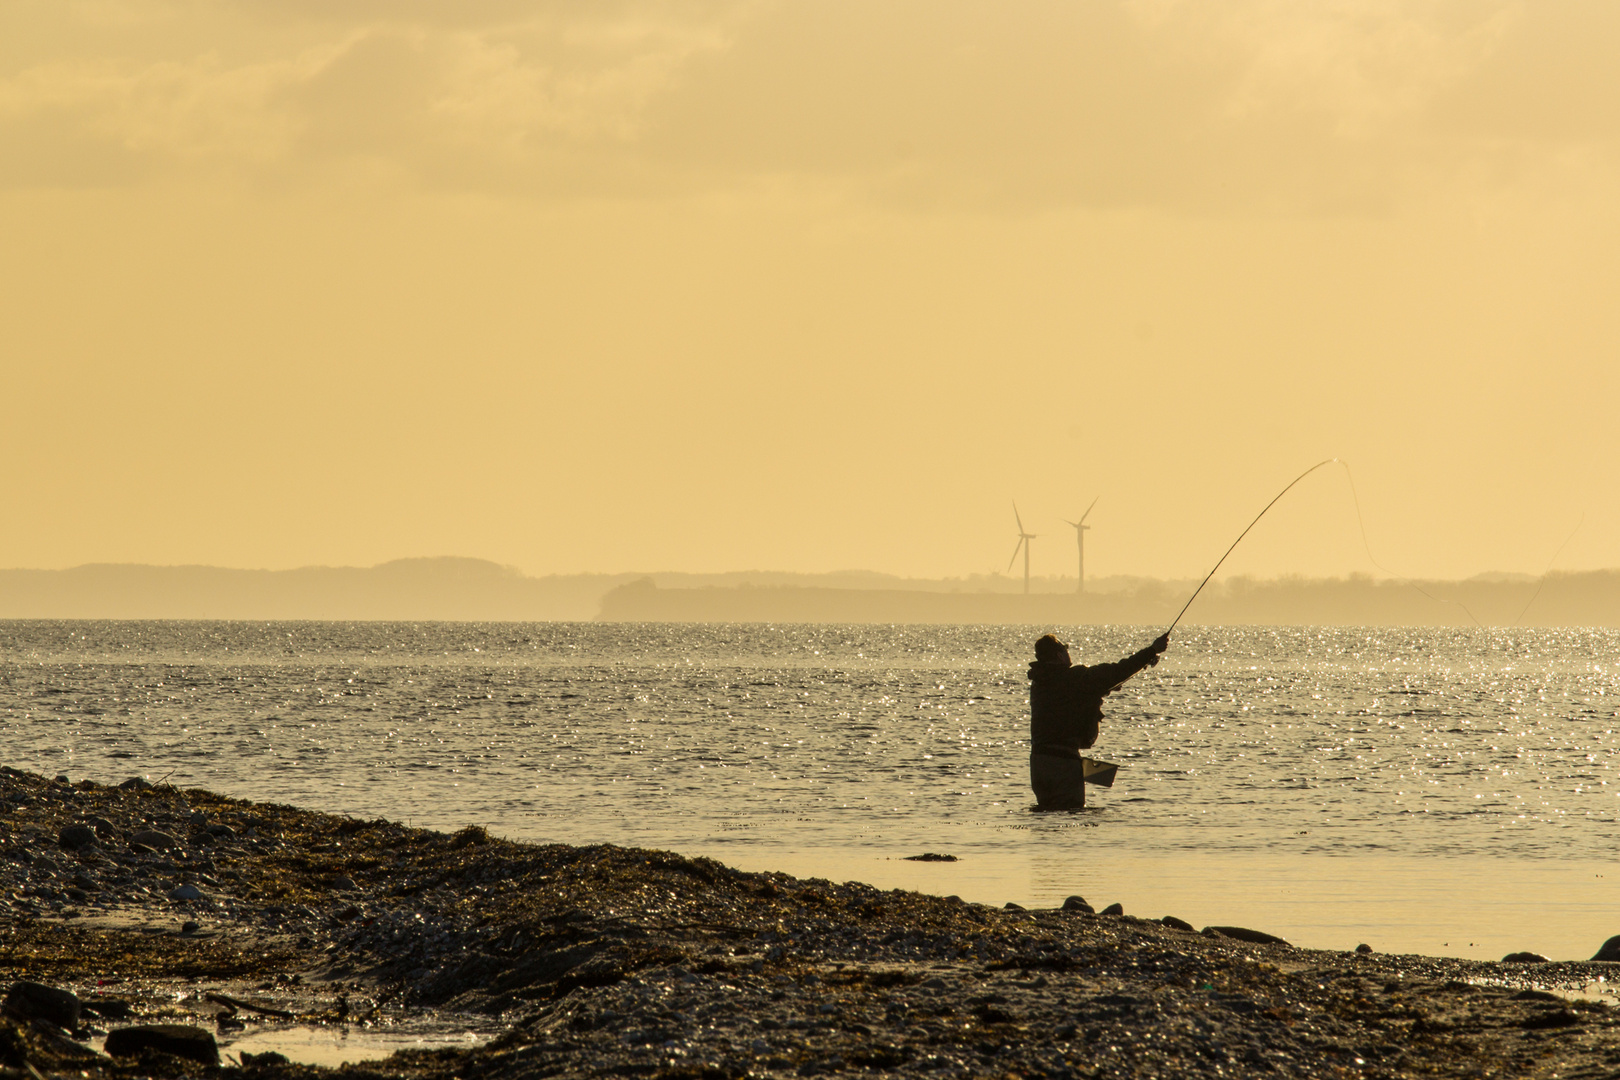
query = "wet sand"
{"x": 615, "y": 961}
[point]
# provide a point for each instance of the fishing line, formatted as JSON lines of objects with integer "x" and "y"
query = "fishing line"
{"x": 1543, "y": 582}
{"x": 1365, "y": 543}
{"x": 1356, "y": 497}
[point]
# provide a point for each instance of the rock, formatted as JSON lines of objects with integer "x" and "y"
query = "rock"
{"x": 190, "y": 927}
{"x": 103, "y": 827}
{"x": 152, "y": 838}
{"x": 1010, "y": 906}
{"x": 471, "y": 836}
{"x": 343, "y": 884}
{"x": 107, "y": 1008}
{"x": 135, "y": 783}
{"x": 1525, "y": 958}
{"x": 177, "y": 1039}
{"x": 1610, "y": 950}
{"x": 1078, "y": 903}
{"x": 36, "y": 1001}
{"x": 1114, "y": 909}
{"x": 1239, "y": 933}
{"x": 264, "y": 1060}
{"x": 930, "y": 856}
{"x": 1179, "y": 924}
{"x": 76, "y": 836}
{"x": 1364, "y": 948}
{"x": 1552, "y": 1018}
{"x": 185, "y": 892}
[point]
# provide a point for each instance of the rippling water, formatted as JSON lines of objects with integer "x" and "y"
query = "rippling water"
{"x": 1426, "y": 779}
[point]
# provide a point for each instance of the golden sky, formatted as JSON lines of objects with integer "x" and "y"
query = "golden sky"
{"x": 810, "y": 285}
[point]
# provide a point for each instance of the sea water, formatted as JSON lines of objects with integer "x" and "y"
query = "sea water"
{"x": 1438, "y": 791}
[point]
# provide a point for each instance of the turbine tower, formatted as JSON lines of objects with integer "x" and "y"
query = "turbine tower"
{"x": 1023, "y": 542}
{"x": 1080, "y": 528}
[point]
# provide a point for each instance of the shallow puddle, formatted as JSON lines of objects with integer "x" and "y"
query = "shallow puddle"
{"x": 331, "y": 1046}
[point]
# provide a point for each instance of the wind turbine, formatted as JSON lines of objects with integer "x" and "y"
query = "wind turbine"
{"x": 1080, "y": 528}
{"x": 1023, "y": 542}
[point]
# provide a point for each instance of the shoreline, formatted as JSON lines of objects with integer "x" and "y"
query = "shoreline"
{"x": 602, "y": 960}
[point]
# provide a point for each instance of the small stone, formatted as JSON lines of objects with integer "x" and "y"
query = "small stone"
{"x": 185, "y": 892}
{"x": 1610, "y": 951}
{"x": 1364, "y": 948}
{"x": 62, "y": 778}
{"x": 1178, "y": 924}
{"x": 37, "y": 1001}
{"x": 1525, "y": 958}
{"x": 343, "y": 884}
{"x": 190, "y": 926}
{"x": 1114, "y": 909}
{"x": 177, "y": 1039}
{"x": 1010, "y": 906}
{"x": 931, "y": 856}
{"x": 107, "y": 1008}
{"x": 152, "y": 838}
{"x": 103, "y": 827}
{"x": 74, "y": 837}
{"x": 1078, "y": 903}
{"x": 135, "y": 783}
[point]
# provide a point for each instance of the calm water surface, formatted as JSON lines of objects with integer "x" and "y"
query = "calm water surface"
{"x": 1428, "y": 790}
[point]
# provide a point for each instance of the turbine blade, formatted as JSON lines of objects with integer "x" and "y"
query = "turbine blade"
{"x": 1018, "y": 519}
{"x": 1087, "y": 514}
{"x": 1015, "y": 551}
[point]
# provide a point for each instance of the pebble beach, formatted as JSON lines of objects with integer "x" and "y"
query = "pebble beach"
{"x": 148, "y": 930}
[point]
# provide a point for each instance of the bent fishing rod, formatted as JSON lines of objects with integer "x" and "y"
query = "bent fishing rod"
{"x": 1239, "y": 540}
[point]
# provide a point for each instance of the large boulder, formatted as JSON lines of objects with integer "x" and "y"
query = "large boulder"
{"x": 36, "y": 1001}
{"x": 1240, "y": 933}
{"x": 180, "y": 1040}
{"x": 1610, "y": 950}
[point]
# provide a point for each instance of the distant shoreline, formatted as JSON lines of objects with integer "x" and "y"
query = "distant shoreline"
{"x": 474, "y": 590}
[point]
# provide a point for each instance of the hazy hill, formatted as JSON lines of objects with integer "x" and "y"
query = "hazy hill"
{"x": 478, "y": 590}
{"x": 1586, "y": 599}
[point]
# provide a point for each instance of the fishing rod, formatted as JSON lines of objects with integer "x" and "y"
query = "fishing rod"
{"x": 1239, "y": 540}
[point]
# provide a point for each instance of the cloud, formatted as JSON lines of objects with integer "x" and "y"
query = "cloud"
{"x": 490, "y": 87}
{"x": 1247, "y": 105}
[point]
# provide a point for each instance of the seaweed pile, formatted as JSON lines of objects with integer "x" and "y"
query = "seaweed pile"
{"x": 614, "y": 961}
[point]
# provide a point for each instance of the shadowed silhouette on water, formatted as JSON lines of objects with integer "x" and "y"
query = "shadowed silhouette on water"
{"x": 1065, "y": 711}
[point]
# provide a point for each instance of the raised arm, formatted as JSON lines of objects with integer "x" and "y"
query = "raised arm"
{"x": 1106, "y": 678}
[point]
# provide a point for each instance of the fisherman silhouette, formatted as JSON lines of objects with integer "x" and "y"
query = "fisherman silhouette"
{"x": 1065, "y": 709}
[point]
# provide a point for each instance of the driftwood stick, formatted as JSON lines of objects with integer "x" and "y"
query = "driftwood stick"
{"x": 238, "y": 1003}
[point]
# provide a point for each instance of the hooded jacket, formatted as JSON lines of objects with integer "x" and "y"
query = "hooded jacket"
{"x": 1065, "y": 701}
